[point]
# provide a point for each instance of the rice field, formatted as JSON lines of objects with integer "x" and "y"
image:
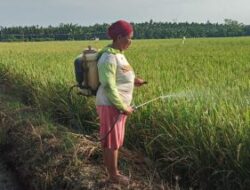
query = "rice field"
{"x": 199, "y": 132}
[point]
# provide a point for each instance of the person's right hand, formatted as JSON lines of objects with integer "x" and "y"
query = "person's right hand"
{"x": 129, "y": 110}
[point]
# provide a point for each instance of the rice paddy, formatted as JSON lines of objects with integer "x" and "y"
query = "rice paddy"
{"x": 198, "y": 129}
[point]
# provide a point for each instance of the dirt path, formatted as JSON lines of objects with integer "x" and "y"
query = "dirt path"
{"x": 8, "y": 180}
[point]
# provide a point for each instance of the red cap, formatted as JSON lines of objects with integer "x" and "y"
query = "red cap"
{"x": 121, "y": 27}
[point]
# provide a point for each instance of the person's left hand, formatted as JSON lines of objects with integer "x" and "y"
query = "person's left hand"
{"x": 140, "y": 82}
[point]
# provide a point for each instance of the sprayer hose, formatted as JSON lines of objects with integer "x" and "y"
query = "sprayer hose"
{"x": 78, "y": 124}
{"x": 112, "y": 127}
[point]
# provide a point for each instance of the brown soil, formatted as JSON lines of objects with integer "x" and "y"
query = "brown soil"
{"x": 60, "y": 159}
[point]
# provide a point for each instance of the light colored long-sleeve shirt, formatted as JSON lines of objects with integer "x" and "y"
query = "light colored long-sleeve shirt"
{"x": 116, "y": 78}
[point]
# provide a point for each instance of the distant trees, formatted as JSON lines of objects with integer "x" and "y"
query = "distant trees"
{"x": 234, "y": 28}
{"x": 177, "y": 30}
{"x": 61, "y": 32}
{"x": 146, "y": 30}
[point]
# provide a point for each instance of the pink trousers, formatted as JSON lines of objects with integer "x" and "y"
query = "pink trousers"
{"x": 111, "y": 117}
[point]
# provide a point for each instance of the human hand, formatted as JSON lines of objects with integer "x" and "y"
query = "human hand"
{"x": 129, "y": 110}
{"x": 139, "y": 82}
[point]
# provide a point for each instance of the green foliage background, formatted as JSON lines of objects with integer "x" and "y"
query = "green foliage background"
{"x": 201, "y": 133}
{"x": 145, "y": 30}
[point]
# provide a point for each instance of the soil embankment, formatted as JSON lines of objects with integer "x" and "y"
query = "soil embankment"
{"x": 47, "y": 155}
{"x": 8, "y": 179}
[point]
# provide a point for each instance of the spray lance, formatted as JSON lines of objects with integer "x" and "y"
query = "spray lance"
{"x": 178, "y": 95}
{"x": 141, "y": 105}
{"x": 148, "y": 102}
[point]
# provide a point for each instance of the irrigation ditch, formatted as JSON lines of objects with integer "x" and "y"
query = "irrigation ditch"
{"x": 37, "y": 153}
{"x": 8, "y": 178}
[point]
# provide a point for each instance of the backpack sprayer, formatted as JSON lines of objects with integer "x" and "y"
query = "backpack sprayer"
{"x": 86, "y": 72}
{"x": 86, "y": 75}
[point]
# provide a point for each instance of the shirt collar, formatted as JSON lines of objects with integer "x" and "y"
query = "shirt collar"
{"x": 112, "y": 50}
{"x": 109, "y": 49}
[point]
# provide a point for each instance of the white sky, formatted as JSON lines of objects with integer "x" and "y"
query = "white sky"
{"x": 90, "y": 12}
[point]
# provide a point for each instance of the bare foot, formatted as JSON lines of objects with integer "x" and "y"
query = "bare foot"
{"x": 119, "y": 179}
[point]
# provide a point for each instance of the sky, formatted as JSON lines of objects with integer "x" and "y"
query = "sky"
{"x": 90, "y": 12}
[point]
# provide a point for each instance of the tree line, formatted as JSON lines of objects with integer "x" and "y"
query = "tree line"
{"x": 145, "y": 30}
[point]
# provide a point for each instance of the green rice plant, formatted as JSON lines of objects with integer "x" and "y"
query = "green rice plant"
{"x": 201, "y": 133}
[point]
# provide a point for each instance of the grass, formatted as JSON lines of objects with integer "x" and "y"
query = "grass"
{"x": 201, "y": 137}
{"x": 46, "y": 155}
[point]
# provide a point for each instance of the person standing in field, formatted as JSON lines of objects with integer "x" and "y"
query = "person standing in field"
{"x": 114, "y": 95}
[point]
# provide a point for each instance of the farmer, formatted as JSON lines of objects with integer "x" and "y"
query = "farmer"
{"x": 117, "y": 80}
